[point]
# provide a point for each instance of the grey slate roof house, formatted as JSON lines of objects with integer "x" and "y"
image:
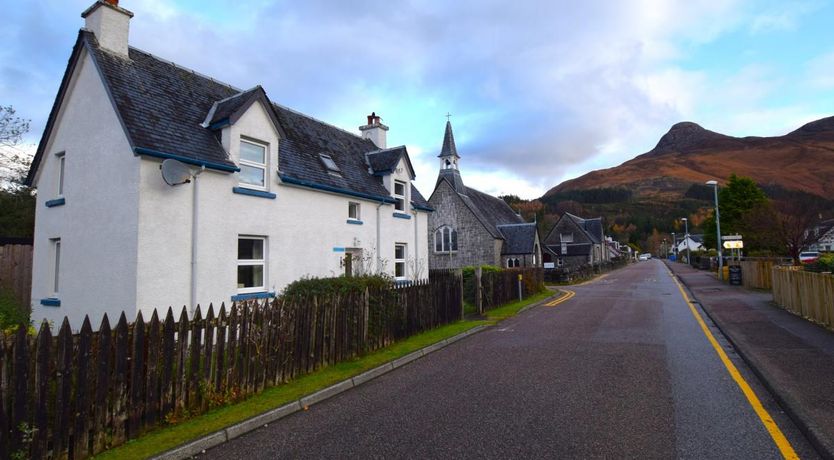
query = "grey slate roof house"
{"x": 575, "y": 241}
{"x": 470, "y": 228}
{"x": 272, "y": 195}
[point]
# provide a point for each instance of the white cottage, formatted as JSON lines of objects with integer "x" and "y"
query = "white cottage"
{"x": 274, "y": 195}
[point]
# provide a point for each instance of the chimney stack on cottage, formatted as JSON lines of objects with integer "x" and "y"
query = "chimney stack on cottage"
{"x": 375, "y": 131}
{"x": 109, "y": 23}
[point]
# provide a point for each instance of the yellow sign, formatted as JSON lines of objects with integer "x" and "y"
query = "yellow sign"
{"x": 519, "y": 276}
{"x": 734, "y": 244}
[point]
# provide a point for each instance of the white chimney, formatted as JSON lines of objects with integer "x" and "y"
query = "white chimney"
{"x": 375, "y": 131}
{"x": 109, "y": 22}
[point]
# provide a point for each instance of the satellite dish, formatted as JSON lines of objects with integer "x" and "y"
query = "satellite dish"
{"x": 175, "y": 172}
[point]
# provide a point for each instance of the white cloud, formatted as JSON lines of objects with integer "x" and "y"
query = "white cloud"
{"x": 820, "y": 71}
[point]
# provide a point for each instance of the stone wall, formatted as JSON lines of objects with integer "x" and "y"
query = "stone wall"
{"x": 476, "y": 246}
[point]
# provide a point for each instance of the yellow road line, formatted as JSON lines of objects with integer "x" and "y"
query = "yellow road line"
{"x": 568, "y": 295}
{"x": 779, "y": 438}
{"x": 593, "y": 280}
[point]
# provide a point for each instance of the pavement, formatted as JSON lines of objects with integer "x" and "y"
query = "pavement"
{"x": 793, "y": 357}
{"x": 621, "y": 370}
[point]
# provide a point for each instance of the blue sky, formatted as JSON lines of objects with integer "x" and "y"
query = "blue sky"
{"x": 539, "y": 91}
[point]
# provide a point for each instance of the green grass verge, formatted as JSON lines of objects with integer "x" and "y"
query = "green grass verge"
{"x": 511, "y": 309}
{"x": 168, "y": 437}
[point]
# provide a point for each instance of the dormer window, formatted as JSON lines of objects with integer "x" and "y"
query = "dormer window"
{"x": 253, "y": 161}
{"x": 399, "y": 195}
{"x": 332, "y": 167}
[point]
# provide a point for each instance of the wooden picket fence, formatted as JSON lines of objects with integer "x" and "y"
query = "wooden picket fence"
{"x": 501, "y": 287}
{"x": 757, "y": 274}
{"x": 75, "y": 395}
{"x": 807, "y": 294}
{"x": 16, "y": 269}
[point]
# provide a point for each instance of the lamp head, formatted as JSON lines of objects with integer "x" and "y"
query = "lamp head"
{"x": 712, "y": 182}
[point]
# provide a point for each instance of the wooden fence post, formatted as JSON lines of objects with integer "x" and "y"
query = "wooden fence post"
{"x": 479, "y": 290}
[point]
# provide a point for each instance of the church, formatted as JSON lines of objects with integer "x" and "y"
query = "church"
{"x": 471, "y": 228}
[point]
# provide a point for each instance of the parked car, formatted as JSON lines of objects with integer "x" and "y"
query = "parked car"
{"x": 645, "y": 256}
{"x": 809, "y": 257}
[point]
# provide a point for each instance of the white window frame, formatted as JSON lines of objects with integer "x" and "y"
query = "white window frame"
{"x": 358, "y": 215}
{"x": 56, "y": 265}
{"x": 452, "y": 242}
{"x": 61, "y": 172}
{"x": 263, "y": 166}
{"x": 402, "y": 261}
{"x": 252, "y": 262}
{"x": 399, "y": 206}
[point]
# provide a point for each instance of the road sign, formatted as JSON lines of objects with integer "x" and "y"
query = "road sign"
{"x": 734, "y": 244}
{"x": 731, "y": 237}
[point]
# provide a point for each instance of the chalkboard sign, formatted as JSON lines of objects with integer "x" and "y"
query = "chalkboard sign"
{"x": 735, "y": 275}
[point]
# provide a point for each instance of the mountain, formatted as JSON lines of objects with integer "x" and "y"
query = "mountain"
{"x": 651, "y": 192}
{"x": 688, "y": 154}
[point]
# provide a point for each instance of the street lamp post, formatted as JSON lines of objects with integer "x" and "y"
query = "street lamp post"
{"x": 718, "y": 230}
{"x": 675, "y": 247}
{"x": 686, "y": 239}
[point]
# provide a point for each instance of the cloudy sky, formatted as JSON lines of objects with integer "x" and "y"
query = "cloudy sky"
{"x": 539, "y": 91}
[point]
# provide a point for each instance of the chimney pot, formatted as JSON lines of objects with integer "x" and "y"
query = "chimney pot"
{"x": 375, "y": 131}
{"x": 113, "y": 2}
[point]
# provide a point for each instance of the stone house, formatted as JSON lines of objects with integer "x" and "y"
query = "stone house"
{"x": 469, "y": 227}
{"x": 268, "y": 195}
{"x": 574, "y": 241}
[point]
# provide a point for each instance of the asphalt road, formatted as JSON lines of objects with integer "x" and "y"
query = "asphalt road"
{"x": 622, "y": 370}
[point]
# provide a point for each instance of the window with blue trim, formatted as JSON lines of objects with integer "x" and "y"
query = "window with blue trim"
{"x": 253, "y": 164}
{"x": 251, "y": 264}
{"x": 354, "y": 211}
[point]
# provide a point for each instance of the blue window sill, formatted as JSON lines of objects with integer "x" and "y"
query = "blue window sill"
{"x": 355, "y": 222}
{"x": 257, "y": 193}
{"x": 402, "y": 215}
{"x": 51, "y": 302}
{"x": 253, "y": 296}
{"x": 56, "y": 202}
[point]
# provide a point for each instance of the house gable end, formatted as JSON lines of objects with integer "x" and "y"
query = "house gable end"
{"x": 80, "y": 51}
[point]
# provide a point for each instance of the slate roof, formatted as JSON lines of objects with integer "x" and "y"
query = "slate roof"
{"x": 162, "y": 107}
{"x": 591, "y": 227}
{"x": 449, "y": 148}
{"x": 491, "y": 211}
{"x": 384, "y": 161}
{"x": 518, "y": 238}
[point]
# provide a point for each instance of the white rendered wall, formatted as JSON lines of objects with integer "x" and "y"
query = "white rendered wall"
{"x": 98, "y": 224}
{"x": 306, "y": 230}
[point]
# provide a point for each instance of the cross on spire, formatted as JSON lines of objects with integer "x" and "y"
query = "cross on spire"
{"x": 448, "y": 116}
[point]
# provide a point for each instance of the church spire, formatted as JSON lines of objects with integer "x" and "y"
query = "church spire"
{"x": 449, "y": 161}
{"x": 449, "y": 149}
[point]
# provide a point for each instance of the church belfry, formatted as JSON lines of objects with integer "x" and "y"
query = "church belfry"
{"x": 449, "y": 161}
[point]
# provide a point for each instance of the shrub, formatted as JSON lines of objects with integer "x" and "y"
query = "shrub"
{"x": 308, "y": 287}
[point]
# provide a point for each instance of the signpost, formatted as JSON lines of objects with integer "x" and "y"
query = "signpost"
{"x": 735, "y": 244}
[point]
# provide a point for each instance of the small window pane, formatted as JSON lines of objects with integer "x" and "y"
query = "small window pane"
{"x": 399, "y": 269}
{"x": 249, "y": 276}
{"x": 57, "y": 263}
{"x": 438, "y": 240}
{"x": 252, "y": 175}
{"x": 353, "y": 211}
{"x": 454, "y": 240}
{"x": 61, "y": 177}
{"x": 399, "y": 188}
{"x": 329, "y": 163}
{"x": 399, "y": 252}
{"x": 252, "y": 152}
{"x": 250, "y": 249}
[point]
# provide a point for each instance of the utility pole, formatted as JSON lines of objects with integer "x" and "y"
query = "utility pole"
{"x": 686, "y": 239}
{"x": 718, "y": 231}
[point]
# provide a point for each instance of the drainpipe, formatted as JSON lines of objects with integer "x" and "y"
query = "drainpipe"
{"x": 416, "y": 243}
{"x": 194, "y": 225}
{"x": 378, "y": 257}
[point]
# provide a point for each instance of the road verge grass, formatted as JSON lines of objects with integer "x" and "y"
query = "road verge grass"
{"x": 165, "y": 438}
{"x": 511, "y": 309}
